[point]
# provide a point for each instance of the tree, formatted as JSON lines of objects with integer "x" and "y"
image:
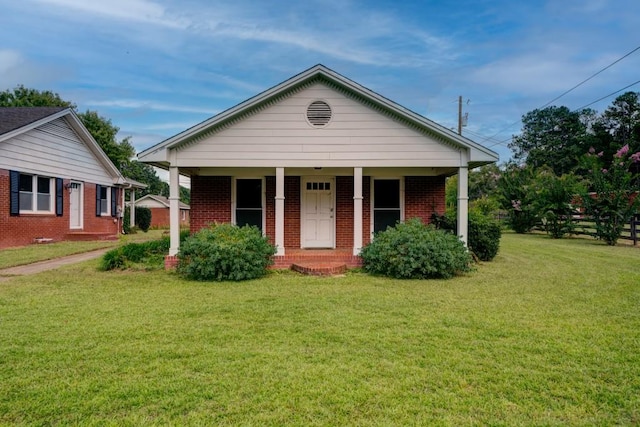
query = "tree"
{"x": 21, "y": 96}
{"x": 555, "y": 137}
{"x": 619, "y": 125}
{"x": 105, "y": 134}
{"x": 516, "y": 190}
{"x": 554, "y": 201}
{"x": 612, "y": 196}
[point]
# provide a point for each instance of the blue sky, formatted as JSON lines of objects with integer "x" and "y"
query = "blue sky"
{"x": 157, "y": 67}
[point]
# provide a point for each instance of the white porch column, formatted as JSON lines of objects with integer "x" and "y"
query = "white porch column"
{"x": 132, "y": 207}
{"x": 279, "y": 238}
{"x": 357, "y": 210}
{"x": 463, "y": 196}
{"x": 174, "y": 210}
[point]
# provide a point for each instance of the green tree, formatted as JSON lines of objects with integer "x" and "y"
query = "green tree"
{"x": 21, "y": 96}
{"x": 516, "y": 191}
{"x": 105, "y": 134}
{"x": 554, "y": 202}
{"x": 611, "y": 199}
{"x": 555, "y": 137}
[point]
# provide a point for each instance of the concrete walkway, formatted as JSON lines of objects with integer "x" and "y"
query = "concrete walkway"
{"x": 51, "y": 264}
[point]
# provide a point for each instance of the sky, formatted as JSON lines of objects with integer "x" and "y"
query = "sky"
{"x": 158, "y": 67}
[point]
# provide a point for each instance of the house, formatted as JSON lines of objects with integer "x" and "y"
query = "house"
{"x": 316, "y": 162}
{"x": 56, "y": 183}
{"x": 159, "y": 206}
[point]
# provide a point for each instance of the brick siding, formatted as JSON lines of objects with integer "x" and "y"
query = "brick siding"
{"x": 24, "y": 229}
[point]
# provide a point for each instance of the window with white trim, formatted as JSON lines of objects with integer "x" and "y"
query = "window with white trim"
{"x": 387, "y": 211}
{"x": 248, "y": 206}
{"x": 36, "y": 194}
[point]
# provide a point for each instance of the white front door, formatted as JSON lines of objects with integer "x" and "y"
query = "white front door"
{"x": 318, "y": 216}
{"x": 75, "y": 206}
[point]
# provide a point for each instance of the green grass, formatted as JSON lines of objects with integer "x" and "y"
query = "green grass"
{"x": 12, "y": 257}
{"x": 547, "y": 334}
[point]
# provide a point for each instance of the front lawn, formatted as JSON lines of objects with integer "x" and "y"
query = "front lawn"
{"x": 547, "y": 334}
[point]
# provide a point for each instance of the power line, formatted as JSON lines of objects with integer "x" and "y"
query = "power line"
{"x": 607, "y": 96}
{"x": 566, "y": 92}
{"x": 589, "y": 78}
{"x": 577, "y": 109}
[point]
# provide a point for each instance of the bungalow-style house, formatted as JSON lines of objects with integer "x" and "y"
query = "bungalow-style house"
{"x": 316, "y": 162}
{"x": 56, "y": 183}
{"x": 159, "y": 206}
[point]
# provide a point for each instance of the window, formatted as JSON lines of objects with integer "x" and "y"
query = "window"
{"x": 106, "y": 201}
{"x": 386, "y": 204}
{"x": 36, "y": 194}
{"x": 249, "y": 202}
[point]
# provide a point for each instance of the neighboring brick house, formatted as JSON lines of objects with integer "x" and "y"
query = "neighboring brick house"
{"x": 55, "y": 181}
{"x": 317, "y": 161}
{"x": 159, "y": 206}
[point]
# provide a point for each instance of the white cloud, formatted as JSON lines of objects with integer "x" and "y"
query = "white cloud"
{"x": 135, "y": 104}
{"x": 130, "y": 10}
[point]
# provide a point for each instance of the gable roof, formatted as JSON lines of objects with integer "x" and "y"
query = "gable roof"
{"x": 12, "y": 118}
{"x": 162, "y": 200}
{"x": 480, "y": 155}
{"x": 17, "y": 120}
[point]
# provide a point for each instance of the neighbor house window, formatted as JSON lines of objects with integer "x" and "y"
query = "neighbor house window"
{"x": 36, "y": 194}
{"x": 106, "y": 200}
{"x": 386, "y": 203}
{"x": 248, "y": 207}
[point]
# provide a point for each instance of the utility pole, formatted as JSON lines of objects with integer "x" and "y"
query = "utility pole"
{"x": 462, "y": 120}
{"x": 460, "y": 115}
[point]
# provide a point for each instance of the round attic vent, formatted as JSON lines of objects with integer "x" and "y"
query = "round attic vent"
{"x": 318, "y": 113}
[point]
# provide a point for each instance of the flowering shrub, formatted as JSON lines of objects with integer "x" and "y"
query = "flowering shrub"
{"x": 517, "y": 197}
{"x": 554, "y": 202}
{"x": 612, "y": 200}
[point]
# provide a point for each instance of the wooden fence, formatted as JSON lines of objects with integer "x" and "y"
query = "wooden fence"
{"x": 586, "y": 226}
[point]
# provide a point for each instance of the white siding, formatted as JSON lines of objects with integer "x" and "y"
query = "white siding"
{"x": 357, "y": 136}
{"x": 53, "y": 149}
{"x": 150, "y": 203}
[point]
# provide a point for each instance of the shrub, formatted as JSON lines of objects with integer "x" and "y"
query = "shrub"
{"x": 143, "y": 218}
{"x": 225, "y": 252}
{"x": 412, "y": 250}
{"x": 149, "y": 253}
{"x": 484, "y": 232}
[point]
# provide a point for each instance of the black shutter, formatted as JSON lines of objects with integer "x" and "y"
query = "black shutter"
{"x": 14, "y": 201}
{"x": 114, "y": 201}
{"x": 98, "y": 187}
{"x": 59, "y": 199}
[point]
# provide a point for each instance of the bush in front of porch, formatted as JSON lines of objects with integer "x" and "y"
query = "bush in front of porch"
{"x": 413, "y": 250}
{"x": 225, "y": 252}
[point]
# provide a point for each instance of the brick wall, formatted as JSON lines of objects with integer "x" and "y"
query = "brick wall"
{"x": 210, "y": 201}
{"x": 161, "y": 217}
{"x": 424, "y": 196}
{"x": 344, "y": 212}
{"x": 291, "y": 211}
{"x": 23, "y": 229}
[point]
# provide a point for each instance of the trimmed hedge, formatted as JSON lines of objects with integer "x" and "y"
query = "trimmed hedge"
{"x": 225, "y": 252}
{"x": 412, "y": 250}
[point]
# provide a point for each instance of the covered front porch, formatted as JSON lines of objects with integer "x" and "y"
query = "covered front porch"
{"x": 305, "y": 212}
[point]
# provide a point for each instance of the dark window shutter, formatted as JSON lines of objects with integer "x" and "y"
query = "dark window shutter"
{"x": 59, "y": 196}
{"x": 14, "y": 183}
{"x": 98, "y": 187}
{"x": 114, "y": 201}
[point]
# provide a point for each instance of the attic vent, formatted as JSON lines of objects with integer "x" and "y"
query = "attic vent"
{"x": 318, "y": 113}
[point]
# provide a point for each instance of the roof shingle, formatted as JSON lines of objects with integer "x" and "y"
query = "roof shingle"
{"x": 12, "y": 118}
